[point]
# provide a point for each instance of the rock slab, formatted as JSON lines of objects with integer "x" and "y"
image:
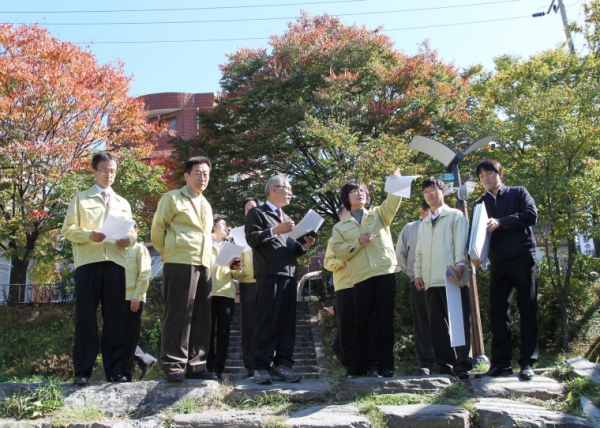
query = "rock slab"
{"x": 539, "y": 387}
{"x": 584, "y": 368}
{"x": 503, "y": 413}
{"x": 426, "y": 416}
{"x": 238, "y": 419}
{"x": 297, "y": 392}
{"x": 394, "y": 385}
{"x": 328, "y": 417}
{"x": 591, "y": 412}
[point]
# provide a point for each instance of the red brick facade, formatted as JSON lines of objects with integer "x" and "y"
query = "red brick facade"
{"x": 180, "y": 108}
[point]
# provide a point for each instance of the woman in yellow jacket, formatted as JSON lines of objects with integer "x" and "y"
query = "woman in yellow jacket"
{"x": 223, "y": 299}
{"x": 364, "y": 241}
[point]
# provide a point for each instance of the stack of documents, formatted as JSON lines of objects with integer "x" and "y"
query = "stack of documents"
{"x": 455, "y": 309}
{"x": 479, "y": 243}
{"x": 399, "y": 185}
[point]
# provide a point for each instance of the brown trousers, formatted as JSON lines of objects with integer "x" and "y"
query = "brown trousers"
{"x": 186, "y": 321}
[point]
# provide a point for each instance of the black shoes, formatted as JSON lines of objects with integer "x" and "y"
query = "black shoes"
{"x": 387, "y": 373}
{"x": 81, "y": 380}
{"x": 145, "y": 369}
{"x": 117, "y": 378}
{"x": 526, "y": 372}
{"x": 424, "y": 371}
{"x": 261, "y": 377}
{"x": 462, "y": 374}
{"x": 372, "y": 373}
{"x": 495, "y": 372}
{"x": 177, "y": 376}
{"x": 286, "y": 373}
{"x": 202, "y": 374}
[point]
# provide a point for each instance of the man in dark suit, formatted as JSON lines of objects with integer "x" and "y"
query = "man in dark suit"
{"x": 274, "y": 258}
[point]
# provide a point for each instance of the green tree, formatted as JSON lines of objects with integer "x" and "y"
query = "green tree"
{"x": 544, "y": 112}
{"x": 328, "y": 103}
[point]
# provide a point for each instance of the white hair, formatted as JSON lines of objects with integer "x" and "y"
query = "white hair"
{"x": 276, "y": 180}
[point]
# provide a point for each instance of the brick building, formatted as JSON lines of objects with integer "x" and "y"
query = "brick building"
{"x": 180, "y": 109}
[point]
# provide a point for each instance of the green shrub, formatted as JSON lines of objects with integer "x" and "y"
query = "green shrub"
{"x": 31, "y": 404}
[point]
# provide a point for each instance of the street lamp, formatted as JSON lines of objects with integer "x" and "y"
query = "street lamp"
{"x": 450, "y": 158}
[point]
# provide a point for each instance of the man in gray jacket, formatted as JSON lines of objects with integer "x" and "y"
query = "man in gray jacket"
{"x": 405, "y": 254}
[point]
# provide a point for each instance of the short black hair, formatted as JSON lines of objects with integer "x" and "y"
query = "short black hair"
{"x": 250, "y": 199}
{"x": 488, "y": 165}
{"x": 103, "y": 156}
{"x": 189, "y": 165}
{"x": 432, "y": 181}
{"x": 424, "y": 205}
{"x": 217, "y": 218}
{"x": 350, "y": 186}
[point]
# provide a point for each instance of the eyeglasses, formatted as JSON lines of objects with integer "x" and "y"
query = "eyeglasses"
{"x": 431, "y": 192}
{"x": 286, "y": 188}
{"x": 107, "y": 172}
{"x": 357, "y": 191}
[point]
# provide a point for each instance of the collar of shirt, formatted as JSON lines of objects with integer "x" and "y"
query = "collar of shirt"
{"x": 273, "y": 207}
{"x": 100, "y": 190}
{"x": 501, "y": 190}
{"x": 436, "y": 214}
{"x": 192, "y": 193}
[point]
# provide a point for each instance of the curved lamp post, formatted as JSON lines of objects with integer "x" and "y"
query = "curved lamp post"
{"x": 451, "y": 158}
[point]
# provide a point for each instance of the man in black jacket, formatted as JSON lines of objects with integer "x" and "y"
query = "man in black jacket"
{"x": 274, "y": 258}
{"x": 512, "y": 213}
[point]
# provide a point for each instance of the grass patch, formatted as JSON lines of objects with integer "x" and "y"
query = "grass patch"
{"x": 457, "y": 394}
{"x": 68, "y": 414}
{"x": 374, "y": 415}
{"x": 32, "y": 403}
{"x": 273, "y": 402}
{"x": 577, "y": 388}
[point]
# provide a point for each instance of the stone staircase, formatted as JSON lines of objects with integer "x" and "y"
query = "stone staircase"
{"x": 305, "y": 356}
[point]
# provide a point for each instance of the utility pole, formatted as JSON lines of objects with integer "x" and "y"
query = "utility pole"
{"x": 563, "y": 14}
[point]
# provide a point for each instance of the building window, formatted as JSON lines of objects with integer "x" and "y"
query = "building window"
{"x": 172, "y": 123}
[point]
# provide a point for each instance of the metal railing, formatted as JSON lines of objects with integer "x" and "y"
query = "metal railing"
{"x": 37, "y": 293}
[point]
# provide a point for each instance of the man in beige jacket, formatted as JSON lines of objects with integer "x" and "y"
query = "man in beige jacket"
{"x": 99, "y": 271}
{"x": 442, "y": 242}
{"x": 181, "y": 233}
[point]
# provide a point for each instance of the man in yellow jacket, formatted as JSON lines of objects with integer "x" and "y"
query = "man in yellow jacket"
{"x": 99, "y": 271}
{"x": 442, "y": 242}
{"x": 181, "y": 233}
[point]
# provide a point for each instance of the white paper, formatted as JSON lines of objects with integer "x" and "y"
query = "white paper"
{"x": 399, "y": 185}
{"x": 228, "y": 253}
{"x": 239, "y": 237}
{"x": 455, "y": 310}
{"x": 310, "y": 223}
{"x": 479, "y": 242}
{"x": 116, "y": 227}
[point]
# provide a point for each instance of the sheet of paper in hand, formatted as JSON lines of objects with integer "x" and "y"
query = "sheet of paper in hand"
{"x": 455, "y": 312}
{"x": 399, "y": 185}
{"x": 116, "y": 228}
{"x": 228, "y": 252}
{"x": 309, "y": 225}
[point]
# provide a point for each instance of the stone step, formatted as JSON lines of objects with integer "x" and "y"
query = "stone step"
{"x": 297, "y": 362}
{"x": 297, "y": 369}
{"x": 297, "y": 356}
{"x": 298, "y": 349}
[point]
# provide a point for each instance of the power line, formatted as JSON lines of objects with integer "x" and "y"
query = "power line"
{"x": 269, "y": 19}
{"x": 182, "y": 8}
{"x": 266, "y": 38}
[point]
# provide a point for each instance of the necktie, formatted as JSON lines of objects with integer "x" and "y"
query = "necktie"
{"x": 105, "y": 196}
{"x": 279, "y": 214}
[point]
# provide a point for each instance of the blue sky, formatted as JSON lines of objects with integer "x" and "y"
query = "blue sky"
{"x": 189, "y": 61}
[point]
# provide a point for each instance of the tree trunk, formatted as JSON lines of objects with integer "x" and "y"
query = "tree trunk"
{"x": 564, "y": 324}
{"x": 18, "y": 279}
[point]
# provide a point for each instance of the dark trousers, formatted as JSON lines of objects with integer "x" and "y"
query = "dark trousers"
{"x": 343, "y": 343}
{"x": 186, "y": 321}
{"x": 423, "y": 347}
{"x": 132, "y": 323}
{"x": 374, "y": 297}
{"x": 519, "y": 274}
{"x": 448, "y": 359}
{"x": 275, "y": 327}
{"x": 221, "y": 314}
{"x": 94, "y": 283}
{"x": 248, "y": 312}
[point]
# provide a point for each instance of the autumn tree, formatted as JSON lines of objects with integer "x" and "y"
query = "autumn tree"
{"x": 328, "y": 102}
{"x": 545, "y": 113}
{"x": 57, "y": 105}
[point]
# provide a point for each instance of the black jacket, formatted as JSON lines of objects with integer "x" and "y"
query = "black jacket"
{"x": 515, "y": 209}
{"x": 272, "y": 255}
